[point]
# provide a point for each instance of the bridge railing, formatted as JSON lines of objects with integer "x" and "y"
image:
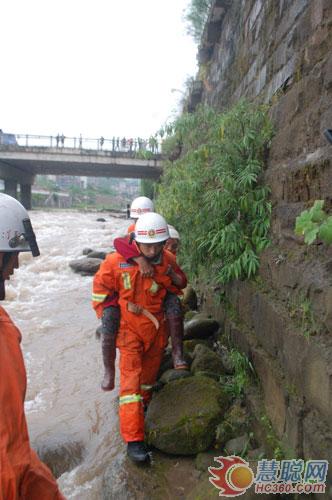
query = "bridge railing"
{"x": 126, "y": 145}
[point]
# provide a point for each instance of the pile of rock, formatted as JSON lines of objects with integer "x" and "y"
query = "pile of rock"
{"x": 193, "y": 410}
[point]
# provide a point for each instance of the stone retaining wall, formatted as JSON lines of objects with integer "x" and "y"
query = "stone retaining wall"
{"x": 280, "y": 52}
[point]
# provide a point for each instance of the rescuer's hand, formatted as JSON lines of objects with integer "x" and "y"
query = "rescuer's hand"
{"x": 176, "y": 279}
{"x": 146, "y": 269}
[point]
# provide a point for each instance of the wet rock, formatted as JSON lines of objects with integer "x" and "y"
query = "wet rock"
{"x": 208, "y": 374}
{"x": 257, "y": 453}
{"x": 189, "y": 345}
{"x": 238, "y": 445}
{"x": 235, "y": 423}
{"x": 200, "y": 328}
{"x": 206, "y": 360}
{"x": 189, "y": 299}
{"x": 86, "y": 266}
{"x": 97, "y": 254}
{"x": 206, "y": 459}
{"x": 226, "y": 358}
{"x": 190, "y": 315}
{"x": 101, "y": 219}
{"x": 166, "y": 363}
{"x": 181, "y": 418}
{"x": 62, "y": 458}
{"x": 86, "y": 251}
{"x": 171, "y": 375}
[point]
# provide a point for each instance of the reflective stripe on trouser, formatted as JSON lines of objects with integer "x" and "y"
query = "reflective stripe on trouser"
{"x": 138, "y": 369}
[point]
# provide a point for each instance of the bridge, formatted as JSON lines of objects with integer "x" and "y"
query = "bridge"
{"x": 24, "y": 156}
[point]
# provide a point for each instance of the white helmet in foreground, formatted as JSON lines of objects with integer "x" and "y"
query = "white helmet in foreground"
{"x": 151, "y": 228}
{"x": 140, "y": 206}
{"x": 173, "y": 232}
{"x": 16, "y": 233}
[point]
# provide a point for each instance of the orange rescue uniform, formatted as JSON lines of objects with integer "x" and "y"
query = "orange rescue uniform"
{"x": 22, "y": 474}
{"x": 140, "y": 342}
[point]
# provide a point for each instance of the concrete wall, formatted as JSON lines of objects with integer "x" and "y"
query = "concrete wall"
{"x": 280, "y": 51}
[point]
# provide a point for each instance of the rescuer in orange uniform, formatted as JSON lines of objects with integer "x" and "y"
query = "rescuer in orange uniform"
{"x": 141, "y": 205}
{"x": 142, "y": 335}
{"x": 172, "y": 304}
{"x": 22, "y": 475}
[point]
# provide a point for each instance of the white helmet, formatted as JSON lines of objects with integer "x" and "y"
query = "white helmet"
{"x": 173, "y": 232}
{"x": 151, "y": 228}
{"x": 16, "y": 233}
{"x": 141, "y": 205}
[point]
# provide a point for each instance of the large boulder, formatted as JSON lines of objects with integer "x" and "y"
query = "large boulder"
{"x": 85, "y": 266}
{"x": 97, "y": 254}
{"x": 62, "y": 457}
{"x": 206, "y": 360}
{"x": 200, "y": 328}
{"x": 171, "y": 375}
{"x": 182, "y": 418}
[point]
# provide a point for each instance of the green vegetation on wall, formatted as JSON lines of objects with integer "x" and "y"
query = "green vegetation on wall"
{"x": 314, "y": 223}
{"x": 213, "y": 192}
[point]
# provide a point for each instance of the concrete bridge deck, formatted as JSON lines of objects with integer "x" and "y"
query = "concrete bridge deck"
{"x": 17, "y": 162}
{"x": 20, "y": 165}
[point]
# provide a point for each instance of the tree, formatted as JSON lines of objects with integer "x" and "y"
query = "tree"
{"x": 195, "y": 16}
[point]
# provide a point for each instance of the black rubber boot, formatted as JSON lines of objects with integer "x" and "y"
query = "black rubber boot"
{"x": 109, "y": 329}
{"x": 175, "y": 327}
{"x": 137, "y": 452}
{"x": 109, "y": 353}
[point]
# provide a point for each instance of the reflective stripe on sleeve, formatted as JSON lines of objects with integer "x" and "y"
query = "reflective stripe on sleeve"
{"x": 130, "y": 398}
{"x": 99, "y": 297}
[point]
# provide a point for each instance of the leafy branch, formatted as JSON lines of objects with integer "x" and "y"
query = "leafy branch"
{"x": 213, "y": 191}
{"x": 314, "y": 223}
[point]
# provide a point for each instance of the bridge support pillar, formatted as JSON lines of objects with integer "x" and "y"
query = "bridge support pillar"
{"x": 26, "y": 196}
{"x": 11, "y": 187}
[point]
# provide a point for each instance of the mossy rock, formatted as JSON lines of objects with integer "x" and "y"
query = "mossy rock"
{"x": 171, "y": 375}
{"x": 167, "y": 362}
{"x": 208, "y": 374}
{"x": 206, "y": 360}
{"x": 190, "y": 315}
{"x": 200, "y": 328}
{"x": 189, "y": 299}
{"x": 235, "y": 423}
{"x": 181, "y": 418}
{"x": 206, "y": 459}
{"x": 189, "y": 345}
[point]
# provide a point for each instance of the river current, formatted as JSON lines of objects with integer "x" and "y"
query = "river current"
{"x": 71, "y": 421}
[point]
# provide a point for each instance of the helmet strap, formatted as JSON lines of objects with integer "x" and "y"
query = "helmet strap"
{"x": 2, "y": 288}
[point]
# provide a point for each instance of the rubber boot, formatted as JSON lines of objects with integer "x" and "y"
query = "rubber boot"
{"x": 175, "y": 328}
{"x": 109, "y": 353}
{"x": 137, "y": 452}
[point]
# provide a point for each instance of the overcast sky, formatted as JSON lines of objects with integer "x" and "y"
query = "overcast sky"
{"x": 95, "y": 67}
